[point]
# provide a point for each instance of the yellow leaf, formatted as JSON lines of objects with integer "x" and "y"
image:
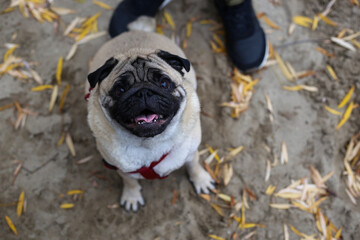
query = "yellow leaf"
{"x": 270, "y": 23}
{"x": 296, "y": 231}
{"x": 159, "y": 30}
{"x": 169, "y": 19}
{"x": 338, "y": 234}
{"x": 91, "y": 20}
{"x": 217, "y": 209}
{"x": 250, "y": 85}
{"x": 11, "y": 225}
{"x": 211, "y": 150}
{"x": 53, "y": 98}
{"x": 218, "y": 41}
{"x": 356, "y": 43}
{"x": 346, "y": 116}
{"x": 347, "y": 97}
{"x": 66, "y": 205}
{"x": 333, "y": 111}
{"x": 72, "y": 192}
{"x": 42, "y": 88}
{"x": 300, "y": 87}
{"x": 188, "y": 29}
{"x": 224, "y": 197}
{"x": 270, "y": 189}
{"x": 247, "y": 225}
{"x": 63, "y": 97}
{"x": 70, "y": 144}
{"x": 20, "y": 205}
{"x": 327, "y": 20}
{"x": 61, "y": 140}
{"x": 7, "y": 106}
{"x": 315, "y": 23}
{"x": 302, "y": 21}
{"x": 59, "y": 71}
{"x": 102, "y": 5}
{"x": 10, "y": 51}
{"x": 280, "y": 205}
{"x": 332, "y": 72}
{"x": 216, "y": 237}
{"x": 283, "y": 67}
{"x": 205, "y": 196}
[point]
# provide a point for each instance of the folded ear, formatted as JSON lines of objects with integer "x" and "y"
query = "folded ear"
{"x": 176, "y": 62}
{"x": 102, "y": 72}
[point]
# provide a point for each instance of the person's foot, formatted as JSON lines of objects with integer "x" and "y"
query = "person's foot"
{"x": 245, "y": 39}
{"x": 129, "y": 10}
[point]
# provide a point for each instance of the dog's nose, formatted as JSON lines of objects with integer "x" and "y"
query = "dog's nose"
{"x": 144, "y": 93}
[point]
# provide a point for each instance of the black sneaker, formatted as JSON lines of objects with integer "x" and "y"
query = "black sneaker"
{"x": 129, "y": 10}
{"x": 245, "y": 39}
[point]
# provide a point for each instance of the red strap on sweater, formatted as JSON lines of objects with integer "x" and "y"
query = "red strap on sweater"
{"x": 146, "y": 172}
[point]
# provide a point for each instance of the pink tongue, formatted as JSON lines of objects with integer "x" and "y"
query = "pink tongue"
{"x": 146, "y": 118}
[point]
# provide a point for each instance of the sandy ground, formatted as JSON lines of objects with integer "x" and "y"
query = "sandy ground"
{"x": 299, "y": 119}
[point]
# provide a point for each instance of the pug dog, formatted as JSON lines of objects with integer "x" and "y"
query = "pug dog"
{"x": 144, "y": 112}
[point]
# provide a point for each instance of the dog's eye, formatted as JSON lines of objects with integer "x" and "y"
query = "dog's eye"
{"x": 165, "y": 83}
{"x": 119, "y": 90}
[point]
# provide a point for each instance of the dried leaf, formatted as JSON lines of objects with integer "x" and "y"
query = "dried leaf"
{"x": 84, "y": 160}
{"x": 343, "y": 44}
{"x": 70, "y": 144}
{"x": 217, "y": 209}
{"x": 284, "y": 158}
{"x": 175, "y": 197}
{"x": 188, "y": 29}
{"x": 303, "y": 21}
{"x": 215, "y": 237}
{"x": 71, "y": 52}
{"x": 20, "y": 205}
{"x": 315, "y": 23}
{"x": 7, "y": 106}
{"x": 11, "y": 225}
{"x": 286, "y": 232}
{"x": 102, "y": 5}
{"x": 73, "y": 192}
{"x": 281, "y": 206}
{"x": 270, "y": 189}
{"x": 324, "y": 52}
{"x": 10, "y": 51}
{"x": 347, "y": 97}
{"x": 42, "y": 88}
{"x": 63, "y": 97}
{"x": 67, "y": 205}
{"x": 169, "y": 19}
{"x": 224, "y": 197}
{"x": 211, "y": 150}
{"x": 333, "y": 111}
{"x": 53, "y": 98}
{"x": 346, "y": 116}
{"x": 301, "y": 87}
{"x": 228, "y": 173}
{"x": 268, "y": 170}
{"x": 59, "y": 71}
{"x": 91, "y": 37}
{"x": 61, "y": 140}
{"x": 327, "y": 20}
{"x": 296, "y": 231}
{"x": 205, "y": 196}
{"x": 332, "y": 72}
{"x": 283, "y": 67}
{"x": 270, "y": 23}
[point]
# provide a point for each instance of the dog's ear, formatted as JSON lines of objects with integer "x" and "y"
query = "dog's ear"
{"x": 176, "y": 62}
{"x": 102, "y": 72}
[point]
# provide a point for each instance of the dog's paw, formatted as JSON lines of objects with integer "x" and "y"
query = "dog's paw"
{"x": 131, "y": 198}
{"x": 202, "y": 181}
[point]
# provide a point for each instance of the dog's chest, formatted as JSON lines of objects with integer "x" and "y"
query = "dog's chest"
{"x": 130, "y": 159}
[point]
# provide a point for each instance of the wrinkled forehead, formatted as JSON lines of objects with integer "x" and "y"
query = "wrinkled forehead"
{"x": 139, "y": 68}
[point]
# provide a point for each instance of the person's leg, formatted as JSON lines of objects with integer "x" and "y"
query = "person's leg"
{"x": 245, "y": 39}
{"x": 129, "y": 10}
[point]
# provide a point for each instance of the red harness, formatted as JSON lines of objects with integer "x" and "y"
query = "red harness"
{"x": 146, "y": 172}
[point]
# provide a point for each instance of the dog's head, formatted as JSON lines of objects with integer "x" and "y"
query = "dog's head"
{"x": 142, "y": 93}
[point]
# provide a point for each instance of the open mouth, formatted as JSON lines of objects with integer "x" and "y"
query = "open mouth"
{"x": 148, "y": 118}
